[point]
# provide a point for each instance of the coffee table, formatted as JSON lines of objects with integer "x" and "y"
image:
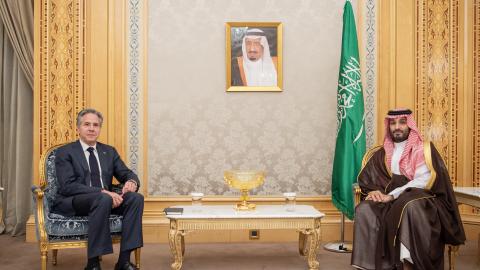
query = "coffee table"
{"x": 305, "y": 219}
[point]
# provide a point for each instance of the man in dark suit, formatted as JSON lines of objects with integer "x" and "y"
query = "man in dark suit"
{"x": 85, "y": 169}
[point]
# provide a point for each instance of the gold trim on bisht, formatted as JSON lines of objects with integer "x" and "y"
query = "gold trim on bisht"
{"x": 427, "y": 152}
{"x": 401, "y": 215}
{"x": 387, "y": 167}
{"x": 368, "y": 155}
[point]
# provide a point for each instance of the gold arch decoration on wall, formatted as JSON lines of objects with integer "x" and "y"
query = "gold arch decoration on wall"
{"x": 437, "y": 77}
{"x": 59, "y": 77}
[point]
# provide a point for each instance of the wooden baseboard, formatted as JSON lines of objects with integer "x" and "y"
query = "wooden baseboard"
{"x": 155, "y": 225}
{"x": 155, "y": 230}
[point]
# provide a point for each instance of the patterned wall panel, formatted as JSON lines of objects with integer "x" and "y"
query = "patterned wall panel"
{"x": 370, "y": 63}
{"x": 437, "y": 76}
{"x": 476, "y": 93}
{"x": 61, "y": 71}
{"x": 196, "y": 130}
{"x": 135, "y": 89}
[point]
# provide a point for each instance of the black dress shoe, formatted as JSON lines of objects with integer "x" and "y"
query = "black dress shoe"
{"x": 94, "y": 267}
{"x": 126, "y": 266}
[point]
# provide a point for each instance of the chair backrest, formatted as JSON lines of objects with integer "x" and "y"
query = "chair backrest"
{"x": 49, "y": 176}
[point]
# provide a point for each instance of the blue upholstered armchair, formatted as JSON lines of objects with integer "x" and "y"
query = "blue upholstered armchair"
{"x": 55, "y": 231}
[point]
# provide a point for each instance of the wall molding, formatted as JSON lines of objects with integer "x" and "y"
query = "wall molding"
{"x": 476, "y": 94}
{"x": 58, "y": 81}
{"x": 437, "y": 77}
{"x": 369, "y": 32}
{"x": 134, "y": 91}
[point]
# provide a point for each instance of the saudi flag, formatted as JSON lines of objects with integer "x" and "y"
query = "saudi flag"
{"x": 350, "y": 146}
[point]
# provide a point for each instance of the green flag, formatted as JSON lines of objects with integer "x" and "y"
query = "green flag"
{"x": 350, "y": 146}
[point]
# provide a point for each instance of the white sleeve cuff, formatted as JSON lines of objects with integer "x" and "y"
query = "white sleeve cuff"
{"x": 396, "y": 192}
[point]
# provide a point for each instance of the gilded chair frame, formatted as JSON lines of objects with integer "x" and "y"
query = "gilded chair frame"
{"x": 44, "y": 243}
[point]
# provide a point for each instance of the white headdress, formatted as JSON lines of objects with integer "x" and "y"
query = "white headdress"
{"x": 261, "y": 72}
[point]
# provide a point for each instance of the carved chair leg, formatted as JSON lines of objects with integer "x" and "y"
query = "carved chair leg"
{"x": 54, "y": 256}
{"x": 452, "y": 252}
{"x": 43, "y": 256}
{"x": 137, "y": 258}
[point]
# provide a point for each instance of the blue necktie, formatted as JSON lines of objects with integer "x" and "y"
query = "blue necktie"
{"x": 94, "y": 170}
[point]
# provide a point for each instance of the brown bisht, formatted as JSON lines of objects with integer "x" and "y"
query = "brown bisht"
{"x": 423, "y": 220}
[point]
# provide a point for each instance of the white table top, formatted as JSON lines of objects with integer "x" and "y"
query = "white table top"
{"x": 261, "y": 211}
{"x": 472, "y": 191}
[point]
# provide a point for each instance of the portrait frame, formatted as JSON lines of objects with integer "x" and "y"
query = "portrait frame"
{"x": 234, "y": 34}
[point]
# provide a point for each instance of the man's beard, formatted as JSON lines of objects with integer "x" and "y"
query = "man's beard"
{"x": 400, "y": 137}
{"x": 253, "y": 58}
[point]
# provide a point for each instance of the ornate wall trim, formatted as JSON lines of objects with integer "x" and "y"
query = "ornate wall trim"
{"x": 476, "y": 94}
{"x": 135, "y": 89}
{"x": 370, "y": 81}
{"x": 59, "y": 78}
{"x": 437, "y": 77}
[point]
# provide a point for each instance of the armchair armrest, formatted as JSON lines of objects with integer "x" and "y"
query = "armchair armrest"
{"x": 39, "y": 213}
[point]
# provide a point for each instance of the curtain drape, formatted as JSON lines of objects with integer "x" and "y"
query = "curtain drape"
{"x": 17, "y": 17}
{"x": 16, "y": 113}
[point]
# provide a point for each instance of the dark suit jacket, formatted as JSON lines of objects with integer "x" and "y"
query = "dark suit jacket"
{"x": 73, "y": 173}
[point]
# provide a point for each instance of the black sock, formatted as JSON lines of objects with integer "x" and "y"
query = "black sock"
{"x": 94, "y": 261}
{"x": 124, "y": 257}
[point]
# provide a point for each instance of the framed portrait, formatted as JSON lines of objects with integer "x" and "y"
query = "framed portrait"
{"x": 254, "y": 56}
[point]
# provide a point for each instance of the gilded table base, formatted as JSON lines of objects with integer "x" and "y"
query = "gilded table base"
{"x": 308, "y": 228}
{"x": 177, "y": 244}
{"x": 308, "y": 241}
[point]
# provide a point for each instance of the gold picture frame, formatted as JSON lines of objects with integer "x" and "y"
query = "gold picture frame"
{"x": 252, "y": 38}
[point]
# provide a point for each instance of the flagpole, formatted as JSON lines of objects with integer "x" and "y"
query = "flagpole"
{"x": 348, "y": 156}
{"x": 341, "y": 246}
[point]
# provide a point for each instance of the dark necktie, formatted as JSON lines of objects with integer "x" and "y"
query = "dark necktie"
{"x": 94, "y": 171}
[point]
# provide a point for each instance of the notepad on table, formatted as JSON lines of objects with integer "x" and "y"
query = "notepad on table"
{"x": 173, "y": 211}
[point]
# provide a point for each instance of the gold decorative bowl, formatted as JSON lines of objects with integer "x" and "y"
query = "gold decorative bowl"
{"x": 244, "y": 181}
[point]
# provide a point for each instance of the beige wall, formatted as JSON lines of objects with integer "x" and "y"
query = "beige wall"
{"x": 196, "y": 130}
